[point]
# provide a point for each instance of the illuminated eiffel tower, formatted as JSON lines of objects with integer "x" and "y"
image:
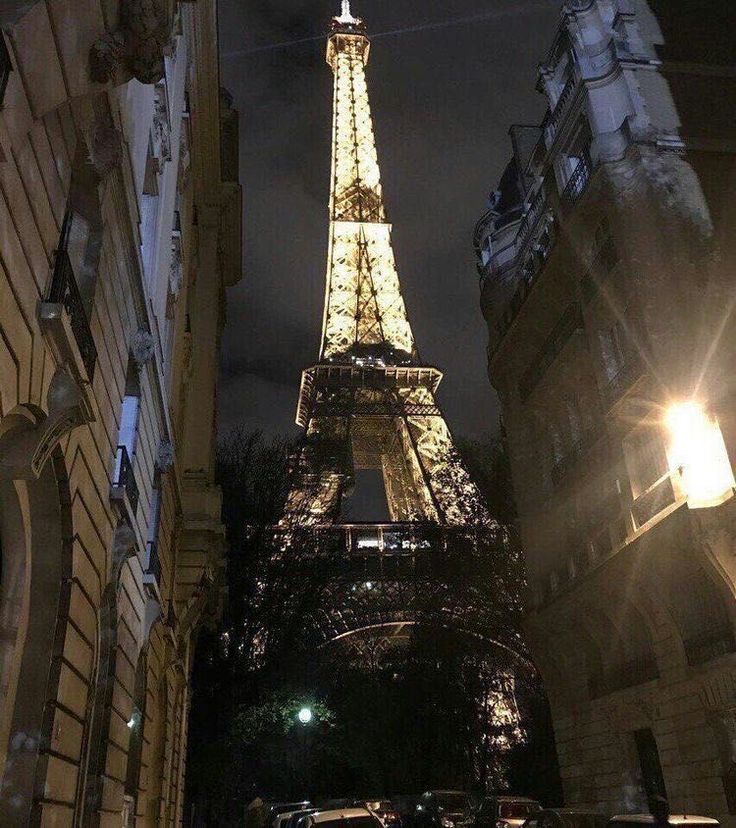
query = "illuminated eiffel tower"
{"x": 369, "y": 403}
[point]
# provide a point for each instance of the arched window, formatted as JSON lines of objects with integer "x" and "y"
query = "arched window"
{"x": 99, "y": 709}
{"x": 36, "y": 571}
{"x": 136, "y": 724}
{"x": 128, "y": 433}
{"x": 699, "y": 611}
{"x": 12, "y": 584}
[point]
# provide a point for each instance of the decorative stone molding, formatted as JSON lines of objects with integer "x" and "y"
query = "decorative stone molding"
{"x": 105, "y": 148}
{"x": 142, "y": 347}
{"x": 123, "y": 547}
{"x": 137, "y": 48}
{"x": 161, "y": 123}
{"x": 164, "y": 455}
{"x": 28, "y": 438}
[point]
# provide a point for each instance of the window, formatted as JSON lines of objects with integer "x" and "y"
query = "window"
{"x": 652, "y": 778}
{"x": 130, "y": 412}
{"x": 646, "y": 459}
{"x": 611, "y": 343}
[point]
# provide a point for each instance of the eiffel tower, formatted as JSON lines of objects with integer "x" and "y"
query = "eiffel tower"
{"x": 369, "y": 402}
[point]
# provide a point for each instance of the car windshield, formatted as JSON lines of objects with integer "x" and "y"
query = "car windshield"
{"x": 516, "y": 810}
{"x": 456, "y": 802}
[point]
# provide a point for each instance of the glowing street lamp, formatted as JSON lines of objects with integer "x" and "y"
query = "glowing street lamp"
{"x": 304, "y": 715}
{"x": 696, "y": 449}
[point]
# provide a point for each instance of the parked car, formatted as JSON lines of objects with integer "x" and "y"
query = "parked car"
{"x": 289, "y": 819}
{"x": 383, "y": 809}
{"x": 341, "y": 818}
{"x": 566, "y": 818}
{"x": 504, "y": 810}
{"x": 443, "y": 809}
{"x": 680, "y": 820}
{"x": 275, "y": 809}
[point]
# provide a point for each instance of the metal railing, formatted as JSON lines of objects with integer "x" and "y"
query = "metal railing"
{"x": 6, "y": 67}
{"x": 578, "y": 181}
{"x": 555, "y": 115}
{"x": 531, "y": 217}
{"x": 64, "y": 291}
{"x": 124, "y": 478}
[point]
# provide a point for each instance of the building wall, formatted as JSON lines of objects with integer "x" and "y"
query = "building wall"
{"x": 606, "y": 283}
{"x": 106, "y": 579}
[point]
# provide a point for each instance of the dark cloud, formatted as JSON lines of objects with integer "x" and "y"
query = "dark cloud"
{"x": 444, "y": 93}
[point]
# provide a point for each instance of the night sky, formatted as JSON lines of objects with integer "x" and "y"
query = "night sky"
{"x": 446, "y": 81}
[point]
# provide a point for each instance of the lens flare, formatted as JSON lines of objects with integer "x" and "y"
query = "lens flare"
{"x": 696, "y": 450}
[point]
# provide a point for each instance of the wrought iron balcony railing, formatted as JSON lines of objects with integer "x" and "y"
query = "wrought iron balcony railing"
{"x": 64, "y": 291}
{"x": 578, "y": 181}
{"x": 124, "y": 477}
{"x": 560, "y": 109}
{"x": 6, "y": 67}
{"x": 709, "y": 645}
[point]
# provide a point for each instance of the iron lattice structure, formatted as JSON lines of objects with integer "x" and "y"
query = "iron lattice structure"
{"x": 370, "y": 402}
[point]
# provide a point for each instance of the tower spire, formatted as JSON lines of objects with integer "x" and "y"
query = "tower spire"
{"x": 345, "y": 14}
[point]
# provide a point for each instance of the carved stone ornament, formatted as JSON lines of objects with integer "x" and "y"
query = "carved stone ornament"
{"x": 105, "y": 56}
{"x": 105, "y": 148}
{"x": 137, "y": 48}
{"x": 161, "y": 123}
{"x": 142, "y": 347}
{"x": 164, "y": 455}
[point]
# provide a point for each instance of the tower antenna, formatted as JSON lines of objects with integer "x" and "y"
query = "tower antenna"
{"x": 345, "y": 14}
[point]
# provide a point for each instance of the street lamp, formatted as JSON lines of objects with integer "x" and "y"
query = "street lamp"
{"x": 696, "y": 449}
{"x": 304, "y": 715}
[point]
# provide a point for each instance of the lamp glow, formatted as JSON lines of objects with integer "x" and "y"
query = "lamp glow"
{"x": 305, "y": 715}
{"x": 696, "y": 449}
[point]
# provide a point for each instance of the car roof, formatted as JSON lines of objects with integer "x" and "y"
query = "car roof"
{"x": 674, "y": 819}
{"x": 341, "y": 813}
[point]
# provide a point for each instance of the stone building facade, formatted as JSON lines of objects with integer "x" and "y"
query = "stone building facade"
{"x": 606, "y": 260}
{"x": 120, "y": 229}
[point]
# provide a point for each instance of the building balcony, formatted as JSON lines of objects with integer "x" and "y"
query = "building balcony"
{"x": 578, "y": 181}
{"x": 64, "y": 320}
{"x": 556, "y": 116}
{"x": 124, "y": 489}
